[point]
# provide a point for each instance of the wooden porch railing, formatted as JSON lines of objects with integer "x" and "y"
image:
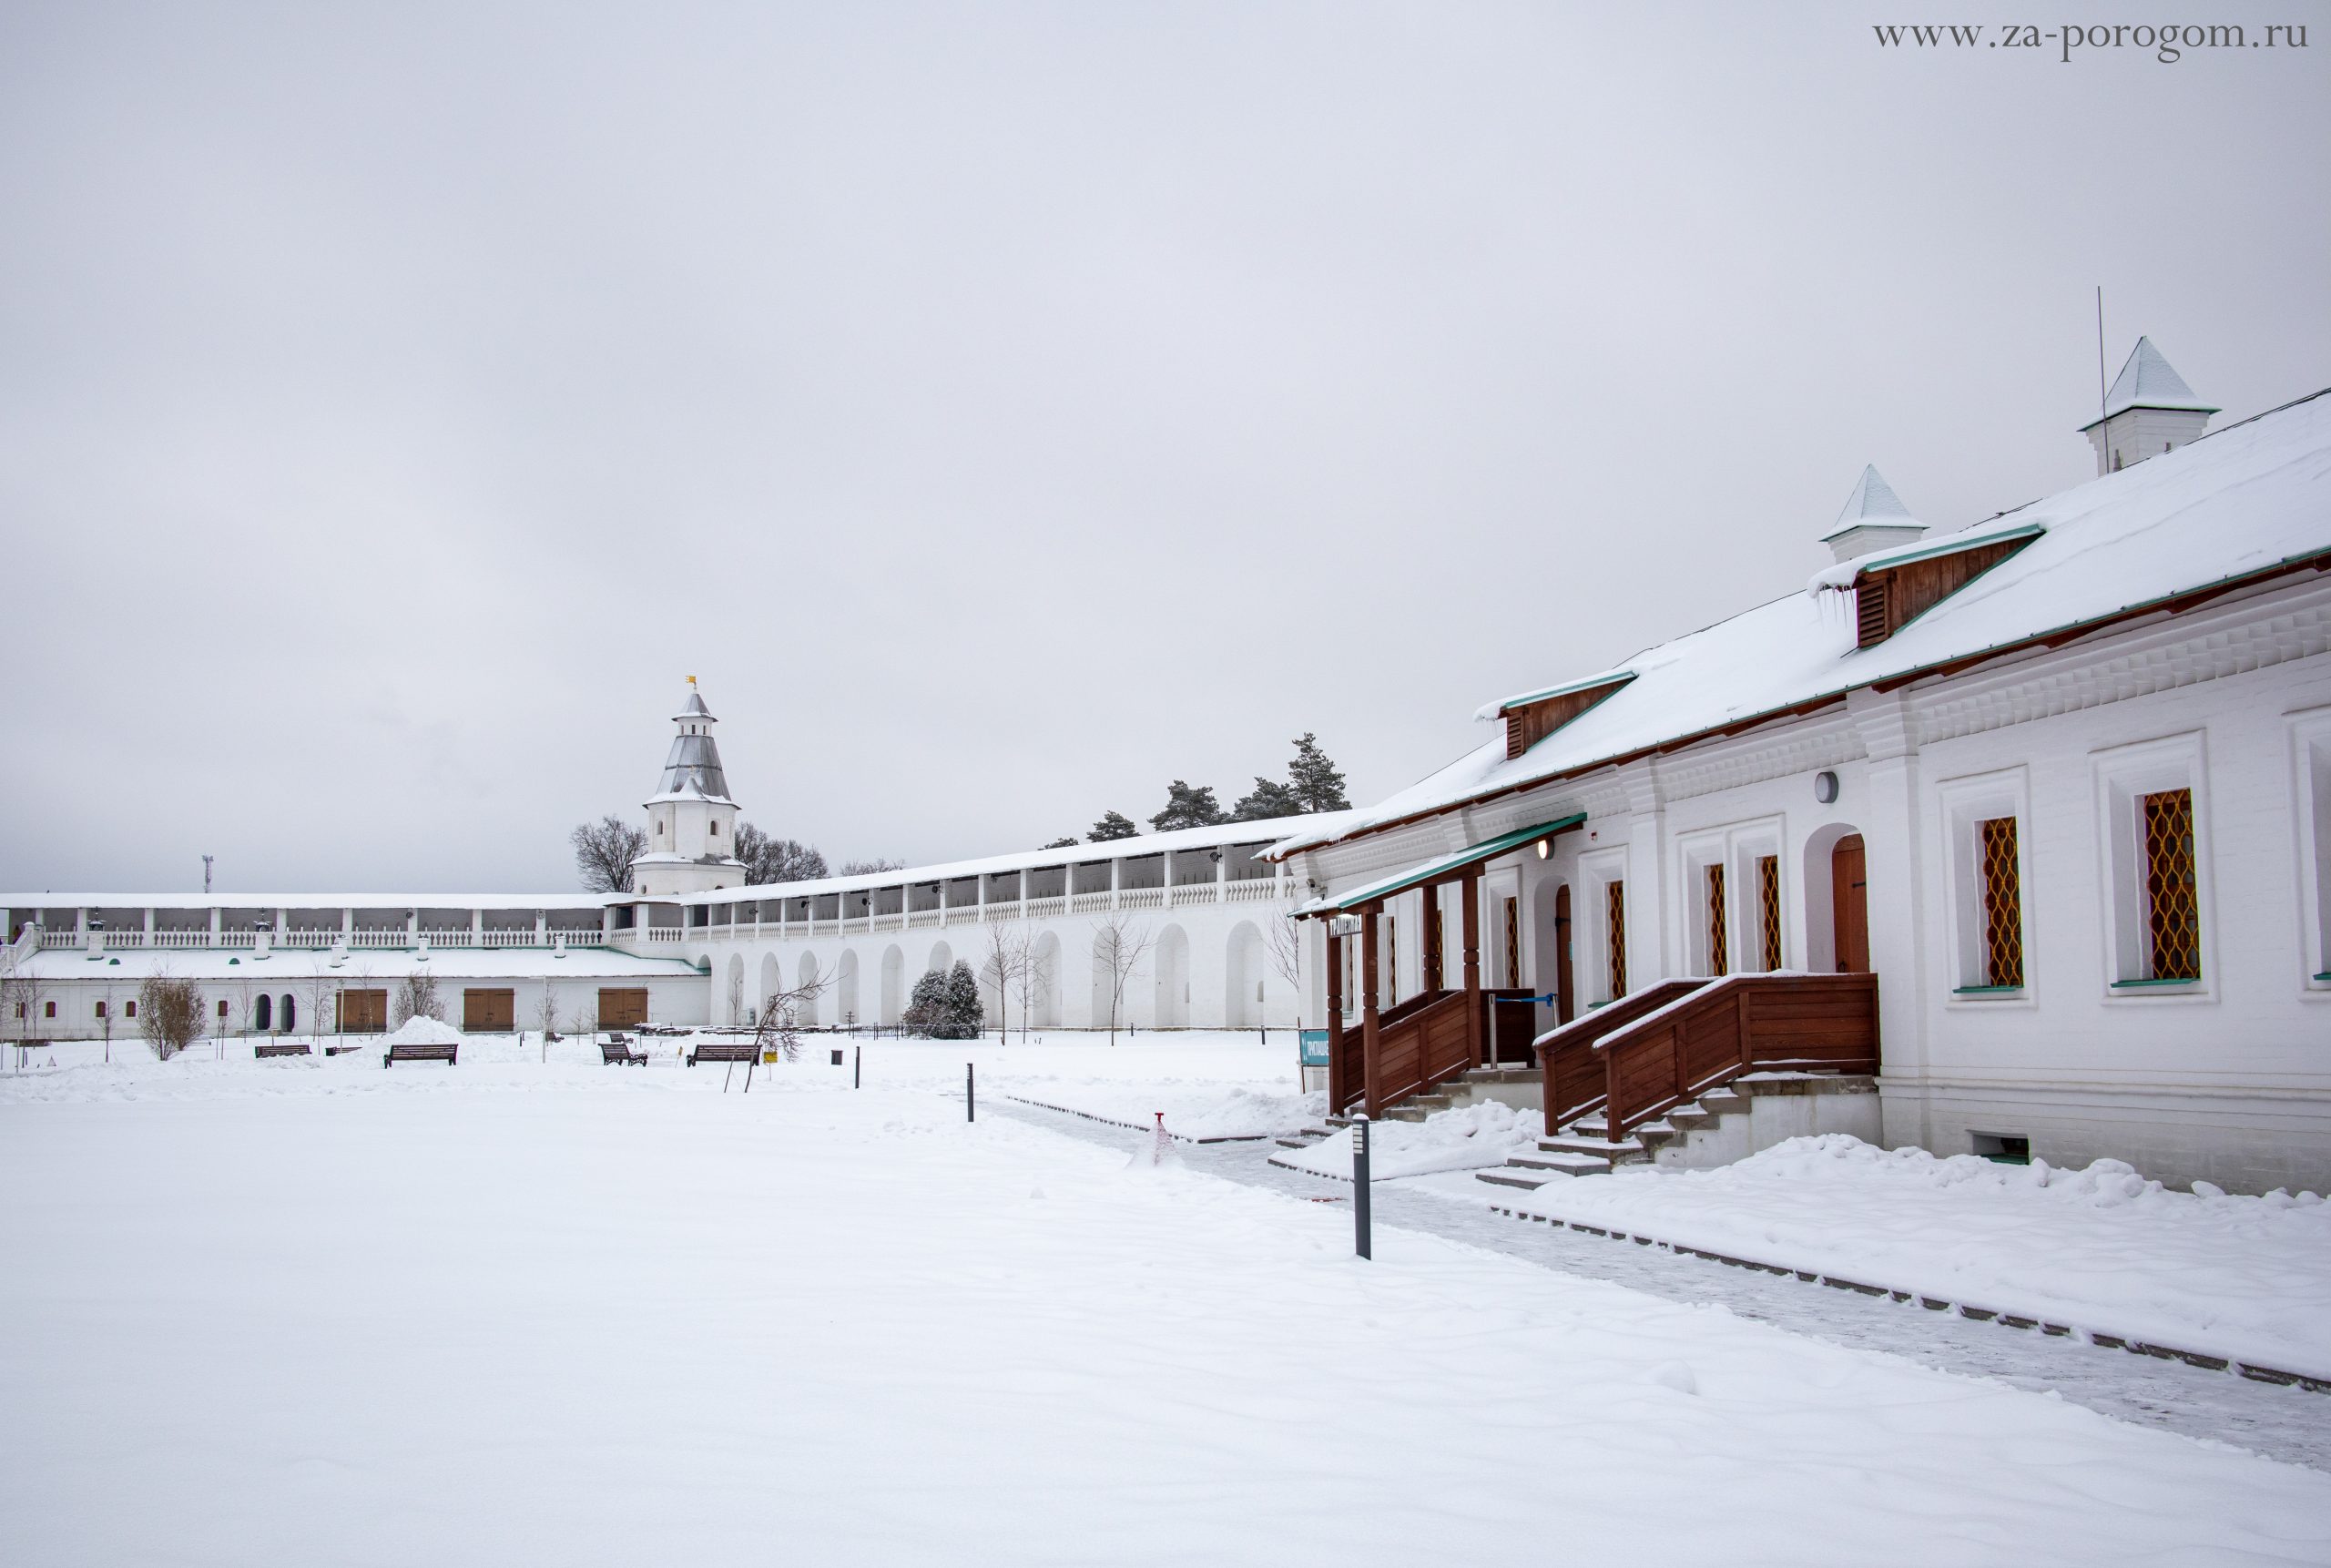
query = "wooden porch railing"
{"x": 1423, "y": 1042}
{"x": 1708, "y": 1032}
{"x": 1576, "y": 1078}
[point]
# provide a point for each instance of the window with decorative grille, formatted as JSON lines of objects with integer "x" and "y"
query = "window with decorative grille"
{"x": 1719, "y": 949}
{"x": 1768, "y": 911}
{"x": 2002, "y": 901}
{"x": 2172, "y": 904}
{"x": 1513, "y": 911}
{"x": 1615, "y": 910}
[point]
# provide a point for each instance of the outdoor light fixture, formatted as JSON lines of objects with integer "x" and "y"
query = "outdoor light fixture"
{"x": 1825, "y": 787}
{"x": 1545, "y": 848}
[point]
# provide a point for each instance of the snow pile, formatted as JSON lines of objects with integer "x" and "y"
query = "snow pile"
{"x": 1469, "y": 1137}
{"x": 423, "y": 1030}
{"x": 2101, "y": 1250}
{"x": 1194, "y": 1109}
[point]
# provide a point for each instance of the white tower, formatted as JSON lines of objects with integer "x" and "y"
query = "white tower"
{"x": 691, "y": 820}
{"x": 1873, "y": 519}
{"x": 2149, "y": 411}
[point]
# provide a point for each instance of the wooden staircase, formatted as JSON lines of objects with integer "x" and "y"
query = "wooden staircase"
{"x": 1649, "y": 1069}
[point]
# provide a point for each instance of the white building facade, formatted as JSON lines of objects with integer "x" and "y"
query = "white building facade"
{"x": 2061, "y": 781}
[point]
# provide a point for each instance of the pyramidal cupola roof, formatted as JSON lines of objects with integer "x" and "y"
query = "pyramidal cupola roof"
{"x": 1873, "y": 501}
{"x": 692, "y": 768}
{"x": 2148, "y": 381}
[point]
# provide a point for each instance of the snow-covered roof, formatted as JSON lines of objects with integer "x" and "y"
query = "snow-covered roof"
{"x": 692, "y": 771}
{"x": 1873, "y": 501}
{"x": 1268, "y": 831}
{"x": 287, "y": 967}
{"x": 2228, "y": 505}
{"x": 694, "y": 708}
{"x": 1503, "y": 706}
{"x": 257, "y": 904}
{"x": 2148, "y": 381}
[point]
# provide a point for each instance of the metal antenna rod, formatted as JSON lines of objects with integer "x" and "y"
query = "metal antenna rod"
{"x": 2100, "y": 352}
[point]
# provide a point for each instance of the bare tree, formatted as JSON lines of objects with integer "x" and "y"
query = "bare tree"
{"x": 104, "y": 1016}
{"x": 321, "y": 994}
{"x": 870, "y": 867}
{"x": 1035, "y": 974}
{"x": 1119, "y": 944}
{"x": 779, "y": 1027}
{"x": 1285, "y": 941}
{"x": 604, "y": 851}
{"x": 1004, "y": 965}
{"x": 547, "y": 1014}
{"x": 416, "y": 998}
{"x": 21, "y": 997}
{"x": 769, "y": 859}
{"x": 736, "y": 995}
{"x": 170, "y": 1013}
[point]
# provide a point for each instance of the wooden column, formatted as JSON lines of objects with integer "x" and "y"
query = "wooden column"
{"x": 1430, "y": 952}
{"x": 1339, "y": 1091}
{"x": 1476, "y": 1037}
{"x": 1370, "y": 1048}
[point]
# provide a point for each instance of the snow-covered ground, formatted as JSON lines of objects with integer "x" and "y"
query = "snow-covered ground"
{"x": 2099, "y": 1249}
{"x": 303, "y": 1312}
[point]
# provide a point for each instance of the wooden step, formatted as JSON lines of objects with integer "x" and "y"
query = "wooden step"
{"x": 1570, "y": 1144}
{"x": 1568, "y": 1164}
{"x": 1506, "y": 1176}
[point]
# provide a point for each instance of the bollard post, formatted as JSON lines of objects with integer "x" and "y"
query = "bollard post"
{"x": 1362, "y": 1241}
{"x": 970, "y": 1111}
{"x": 856, "y": 1052}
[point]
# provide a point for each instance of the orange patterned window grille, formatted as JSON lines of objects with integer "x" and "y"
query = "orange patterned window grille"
{"x": 1719, "y": 948}
{"x": 2172, "y": 904}
{"x": 1614, "y": 909}
{"x": 1768, "y": 909}
{"x": 2003, "y": 903}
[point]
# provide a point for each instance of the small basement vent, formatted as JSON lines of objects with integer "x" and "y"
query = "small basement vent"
{"x": 2002, "y": 1149}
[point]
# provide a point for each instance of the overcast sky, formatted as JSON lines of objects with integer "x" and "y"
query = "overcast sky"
{"x": 1004, "y": 409}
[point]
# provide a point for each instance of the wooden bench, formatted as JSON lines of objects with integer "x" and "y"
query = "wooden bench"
{"x": 297, "y": 1048}
{"x": 401, "y": 1052}
{"x": 731, "y": 1051}
{"x": 619, "y": 1054}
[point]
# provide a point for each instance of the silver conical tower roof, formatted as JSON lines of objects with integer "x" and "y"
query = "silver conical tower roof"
{"x": 692, "y": 768}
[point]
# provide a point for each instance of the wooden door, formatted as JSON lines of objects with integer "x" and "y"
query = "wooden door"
{"x": 623, "y": 1008}
{"x": 1565, "y": 1008}
{"x": 489, "y": 1012}
{"x": 363, "y": 1011}
{"x": 1850, "y": 904}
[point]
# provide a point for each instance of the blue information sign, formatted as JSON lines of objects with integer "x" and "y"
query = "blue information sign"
{"x": 1315, "y": 1047}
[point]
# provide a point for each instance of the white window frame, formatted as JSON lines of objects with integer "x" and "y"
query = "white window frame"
{"x": 1966, "y": 803}
{"x": 2123, "y": 774}
{"x": 1597, "y": 869}
{"x": 2310, "y": 740}
{"x": 1737, "y": 847}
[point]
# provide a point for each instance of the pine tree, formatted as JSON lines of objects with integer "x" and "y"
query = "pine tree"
{"x": 946, "y": 1006}
{"x": 1113, "y": 825}
{"x": 1067, "y": 843}
{"x": 1188, "y": 806}
{"x": 1318, "y": 783}
{"x": 1269, "y": 798}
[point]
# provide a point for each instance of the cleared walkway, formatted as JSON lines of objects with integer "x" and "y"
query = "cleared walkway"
{"x": 2284, "y": 1423}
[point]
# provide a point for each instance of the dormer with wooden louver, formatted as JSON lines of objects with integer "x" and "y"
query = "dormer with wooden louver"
{"x": 1892, "y": 589}
{"x": 1534, "y": 714}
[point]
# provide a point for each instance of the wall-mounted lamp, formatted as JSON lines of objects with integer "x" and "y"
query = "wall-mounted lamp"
{"x": 1825, "y": 787}
{"x": 1545, "y": 848}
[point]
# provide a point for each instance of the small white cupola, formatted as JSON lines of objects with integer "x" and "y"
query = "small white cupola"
{"x": 2149, "y": 411}
{"x": 1873, "y": 519}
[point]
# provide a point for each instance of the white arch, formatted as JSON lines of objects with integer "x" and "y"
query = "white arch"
{"x": 772, "y": 982}
{"x": 846, "y": 989}
{"x": 808, "y": 1013}
{"x": 1818, "y": 896}
{"x": 942, "y": 959}
{"x": 1105, "y": 982}
{"x": 893, "y": 983}
{"x": 1171, "y": 968}
{"x": 1243, "y": 968}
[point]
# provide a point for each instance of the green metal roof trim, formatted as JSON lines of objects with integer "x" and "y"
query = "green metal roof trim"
{"x": 1613, "y": 678}
{"x": 1415, "y": 876}
{"x": 1951, "y": 544}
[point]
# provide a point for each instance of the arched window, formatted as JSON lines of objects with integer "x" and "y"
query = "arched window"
{"x": 262, "y": 1012}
